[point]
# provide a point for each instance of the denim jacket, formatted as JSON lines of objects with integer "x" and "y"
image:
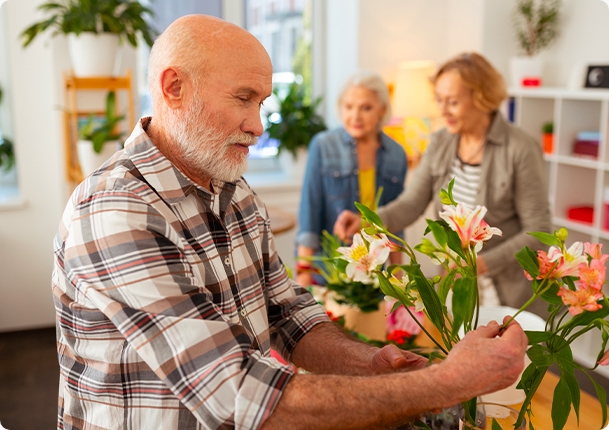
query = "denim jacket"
{"x": 331, "y": 182}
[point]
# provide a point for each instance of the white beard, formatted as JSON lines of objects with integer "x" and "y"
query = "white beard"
{"x": 204, "y": 148}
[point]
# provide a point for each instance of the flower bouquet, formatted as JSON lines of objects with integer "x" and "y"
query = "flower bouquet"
{"x": 569, "y": 279}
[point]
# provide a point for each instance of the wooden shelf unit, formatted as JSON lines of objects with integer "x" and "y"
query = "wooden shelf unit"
{"x": 74, "y": 84}
{"x": 573, "y": 180}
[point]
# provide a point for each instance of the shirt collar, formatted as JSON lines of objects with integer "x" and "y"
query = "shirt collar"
{"x": 497, "y": 132}
{"x": 165, "y": 178}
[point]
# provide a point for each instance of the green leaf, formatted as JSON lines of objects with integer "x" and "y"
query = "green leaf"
{"x": 540, "y": 356}
{"x": 428, "y": 296}
{"x": 561, "y": 405}
{"x": 573, "y": 385}
{"x": 496, "y": 425}
{"x": 537, "y": 336}
{"x": 545, "y": 238}
{"x": 529, "y": 382}
{"x": 454, "y": 242}
{"x": 368, "y": 214}
{"x": 551, "y": 295}
{"x": 445, "y": 285}
{"x": 586, "y": 318}
{"x": 602, "y": 398}
{"x": 463, "y": 302}
{"x": 528, "y": 261}
{"x": 438, "y": 232}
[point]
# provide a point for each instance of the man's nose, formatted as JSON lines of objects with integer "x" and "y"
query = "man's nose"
{"x": 253, "y": 124}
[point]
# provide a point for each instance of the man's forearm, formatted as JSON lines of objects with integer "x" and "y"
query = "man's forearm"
{"x": 359, "y": 402}
{"x": 328, "y": 350}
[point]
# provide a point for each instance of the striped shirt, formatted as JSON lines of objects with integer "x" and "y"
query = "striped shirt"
{"x": 467, "y": 182}
{"x": 167, "y": 309}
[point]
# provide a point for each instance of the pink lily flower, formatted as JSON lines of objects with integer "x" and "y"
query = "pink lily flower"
{"x": 545, "y": 266}
{"x": 362, "y": 261}
{"x": 469, "y": 224}
{"x": 584, "y": 299}
{"x": 569, "y": 261}
{"x": 594, "y": 250}
{"x": 604, "y": 361}
{"x": 383, "y": 238}
{"x": 592, "y": 276}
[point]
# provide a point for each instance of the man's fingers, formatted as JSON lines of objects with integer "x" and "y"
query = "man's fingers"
{"x": 514, "y": 333}
{"x": 490, "y": 330}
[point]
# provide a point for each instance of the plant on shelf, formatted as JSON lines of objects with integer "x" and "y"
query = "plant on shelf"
{"x": 536, "y": 24}
{"x": 7, "y": 151}
{"x": 97, "y": 131}
{"x": 297, "y": 121}
{"x": 124, "y": 18}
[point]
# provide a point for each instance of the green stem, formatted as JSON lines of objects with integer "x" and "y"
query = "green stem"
{"x": 424, "y": 329}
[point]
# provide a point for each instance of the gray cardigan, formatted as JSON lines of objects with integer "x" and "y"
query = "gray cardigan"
{"x": 513, "y": 187}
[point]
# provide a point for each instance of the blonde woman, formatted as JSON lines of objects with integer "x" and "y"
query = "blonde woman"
{"x": 494, "y": 164}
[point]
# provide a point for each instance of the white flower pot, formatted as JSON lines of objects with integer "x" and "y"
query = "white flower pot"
{"x": 524, "y": 69}
{"x": 293, "y": 168}
{"x": 93, "y": 54}
{"x": 90, "y": 160}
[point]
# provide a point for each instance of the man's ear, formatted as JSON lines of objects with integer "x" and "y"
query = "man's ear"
{"x": 172, "y": 88}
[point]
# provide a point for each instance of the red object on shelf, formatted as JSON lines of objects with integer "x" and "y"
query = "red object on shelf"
{"x": 586, "y": 147}
{"x": 531, "y": 82}
{"x": 581, "y": 213}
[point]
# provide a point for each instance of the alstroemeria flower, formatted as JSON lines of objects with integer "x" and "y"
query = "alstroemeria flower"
{"x": 594, "y": 250}
{"x": 569, "y": 261}
{"x": 604, "y": 361}
{"x": 362, "y": 261}
{"x": 545, "y": 266}
{"x": 584, "y": 299}
{"x": 592, "y": 276}
{"x": 469, "y": 224}
{"x": 417, "y": 301}
{"x": 383, "y": 238}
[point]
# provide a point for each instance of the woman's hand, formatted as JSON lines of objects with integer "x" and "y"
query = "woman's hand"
{"x": 347, "y": 224}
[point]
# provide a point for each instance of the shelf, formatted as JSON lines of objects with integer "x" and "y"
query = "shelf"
{"x": 571, "y": 225}
{"x": 72, "y": 86}
{"x": 574, "y": 161}
{"x": 560, "y": 93}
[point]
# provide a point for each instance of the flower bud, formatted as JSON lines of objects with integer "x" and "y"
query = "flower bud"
{"x": 562, "y": 234}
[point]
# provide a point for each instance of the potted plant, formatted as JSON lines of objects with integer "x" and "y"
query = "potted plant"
{"x": 98, "y": 138}
{"x": 293, "y": 126}
{"x": 536, "y": 24}
{"x": 548, "y": 137}
{"x": 94, "y": 29}
{"x": 7, "y": 151}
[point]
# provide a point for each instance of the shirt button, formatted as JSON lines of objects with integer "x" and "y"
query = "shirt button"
{"x": 243, "y": 312}
{"x": 354, "y": 151}
{"x": 355, "y": 171}
{"x": 227, "y": 261}
{"x": 336, "y": 174}
{"x": 394, "y": 179}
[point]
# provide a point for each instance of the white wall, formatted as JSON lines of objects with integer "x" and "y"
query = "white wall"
{"x": 27, "y": 232}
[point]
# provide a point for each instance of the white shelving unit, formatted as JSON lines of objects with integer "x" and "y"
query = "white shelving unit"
{"x": 573, "y": 180}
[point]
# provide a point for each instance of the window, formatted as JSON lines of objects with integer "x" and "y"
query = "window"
{"x": 8, "y": 178}
{"x": 284, "y": 29}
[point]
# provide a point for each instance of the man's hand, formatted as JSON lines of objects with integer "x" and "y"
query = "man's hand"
{"x": 391, "y": 358}
{"x": 347, "y": 224}
{"x": 486, "y": 360}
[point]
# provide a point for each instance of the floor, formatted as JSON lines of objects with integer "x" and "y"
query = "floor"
{"x": 29, "y": 376}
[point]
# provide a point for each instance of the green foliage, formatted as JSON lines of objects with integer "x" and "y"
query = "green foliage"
{"x": 126, "y": 18}
{"x": 548, "y": 127}
{"x": 7, "y": 149}
{"x": 102, "y": 132}
{"x": 299, "y": 122}
{"x": 536, "y": 23}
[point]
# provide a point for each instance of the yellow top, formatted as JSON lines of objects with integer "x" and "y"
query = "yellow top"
{"x": 367, "y": 187}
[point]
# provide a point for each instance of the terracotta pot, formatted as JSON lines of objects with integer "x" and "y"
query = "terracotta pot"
{"x": 370, "y": 324}
{"x": 548, "y": 143}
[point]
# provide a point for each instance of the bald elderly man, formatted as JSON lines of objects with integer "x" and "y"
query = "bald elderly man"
{"x": 170, "y": 294}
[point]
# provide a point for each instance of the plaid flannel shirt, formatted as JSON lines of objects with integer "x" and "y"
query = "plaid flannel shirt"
{"x": 168, "y": 299}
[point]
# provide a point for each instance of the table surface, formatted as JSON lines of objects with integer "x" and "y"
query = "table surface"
{"x": 281, "y": 220}
{"x": 590, "y": 414}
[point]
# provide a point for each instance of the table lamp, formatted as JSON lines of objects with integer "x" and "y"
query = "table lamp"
{"x": 413, "y": 106}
